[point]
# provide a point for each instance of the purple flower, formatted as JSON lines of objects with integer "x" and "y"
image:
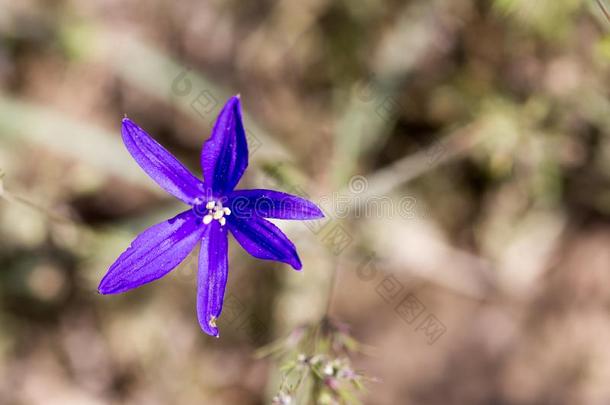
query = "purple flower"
{"x": 216, "y": 209}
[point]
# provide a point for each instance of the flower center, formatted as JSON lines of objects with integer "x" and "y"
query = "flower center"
{"x": 215, "y": 211}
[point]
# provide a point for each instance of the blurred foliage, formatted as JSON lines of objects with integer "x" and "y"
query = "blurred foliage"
{"x": 316, "y": 366}
{"x": 550, "y": 18}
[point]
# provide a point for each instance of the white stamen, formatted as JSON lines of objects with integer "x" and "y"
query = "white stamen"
{"x": 212, "y": 322}
{"x": 216, "y": 211}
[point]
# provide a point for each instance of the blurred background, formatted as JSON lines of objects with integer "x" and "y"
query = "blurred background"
{"x": 459, "y": 148}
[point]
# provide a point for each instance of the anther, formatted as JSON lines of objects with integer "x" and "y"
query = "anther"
{"x": 216, "y": 211}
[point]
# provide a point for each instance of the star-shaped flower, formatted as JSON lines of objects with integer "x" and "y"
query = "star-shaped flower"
{"x": 216, "y": 209}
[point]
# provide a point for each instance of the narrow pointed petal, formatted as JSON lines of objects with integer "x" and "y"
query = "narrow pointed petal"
{"x": 161, "y": 165}
{"x": 212, "y": 278}
{"x": 224, "y": 156}
{"x": 264, "y": 240}
{"x": 271, "y": 204}
{"x": 153, "y": 254}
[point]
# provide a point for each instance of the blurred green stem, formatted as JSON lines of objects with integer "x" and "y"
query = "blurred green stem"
{"x": 331, "y": 287}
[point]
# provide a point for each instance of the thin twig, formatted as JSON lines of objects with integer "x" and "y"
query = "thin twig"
{"x": 12, "y": 198}
{"x": 453, "y": 146}
{"x": 604, "y": 9}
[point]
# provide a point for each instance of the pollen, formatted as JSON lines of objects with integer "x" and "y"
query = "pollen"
{"x": 216, "y": 212}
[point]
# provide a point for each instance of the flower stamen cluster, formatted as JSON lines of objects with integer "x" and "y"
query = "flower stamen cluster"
{"x": 216, "y": 211}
